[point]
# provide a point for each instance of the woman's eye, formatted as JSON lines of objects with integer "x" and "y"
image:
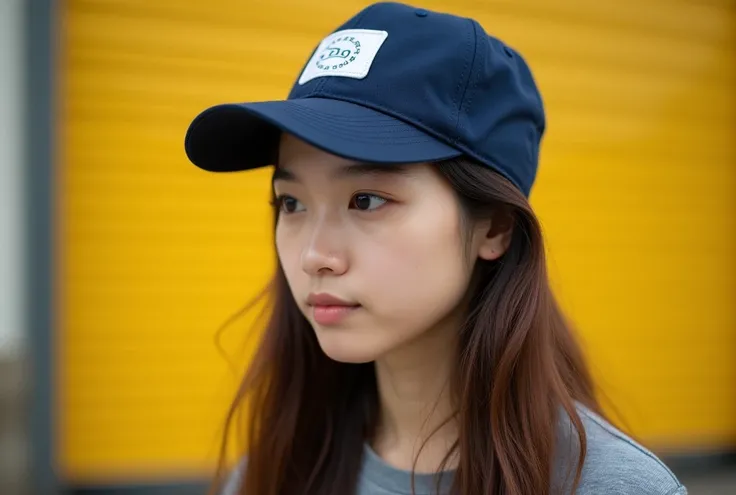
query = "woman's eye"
{"x": 287, "y": 204}
{"x": 367, "y": 202}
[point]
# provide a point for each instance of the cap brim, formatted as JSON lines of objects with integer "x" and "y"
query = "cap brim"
{"x": 243, "y": 136}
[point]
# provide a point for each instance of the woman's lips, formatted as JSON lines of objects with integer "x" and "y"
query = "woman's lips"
{"x": 332, "y": 315}
{"x": 328, "y": 309}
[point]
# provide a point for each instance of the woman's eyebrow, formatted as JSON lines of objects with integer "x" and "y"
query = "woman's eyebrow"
{"x": 349, "y": 171}
{"x": 285, "y": 175}
{"x": 363, "y": 169}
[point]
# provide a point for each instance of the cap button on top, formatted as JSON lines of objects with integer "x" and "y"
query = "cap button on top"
{"x": 421, "y": 13}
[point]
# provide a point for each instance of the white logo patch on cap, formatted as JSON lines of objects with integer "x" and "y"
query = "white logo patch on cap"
{"x": 347, "y": 53}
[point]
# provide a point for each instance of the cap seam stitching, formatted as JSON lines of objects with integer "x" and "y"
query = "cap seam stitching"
{"x": 458, "y": 124}
{"x": 461, "y": 80}
{"x": 392, "y": 113}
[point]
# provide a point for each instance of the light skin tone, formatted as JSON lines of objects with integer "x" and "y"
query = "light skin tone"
{"x": 389, "y": 242}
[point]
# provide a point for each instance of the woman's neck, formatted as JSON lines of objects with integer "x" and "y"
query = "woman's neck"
{"x": 416, "y": 402}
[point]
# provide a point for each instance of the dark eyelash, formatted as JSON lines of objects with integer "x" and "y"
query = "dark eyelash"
{"x": 277, "y": 201}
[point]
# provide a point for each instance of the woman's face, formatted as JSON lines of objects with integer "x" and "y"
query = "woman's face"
{"x": 375, "y": 256}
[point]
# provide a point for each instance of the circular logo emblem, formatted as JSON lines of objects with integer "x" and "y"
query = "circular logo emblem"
{"x": 338, "y": 53}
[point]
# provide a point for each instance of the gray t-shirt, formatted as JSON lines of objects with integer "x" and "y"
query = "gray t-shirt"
{"x": 614, "y": 465}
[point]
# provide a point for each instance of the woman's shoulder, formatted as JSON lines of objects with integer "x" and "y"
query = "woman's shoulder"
{"x": 614, "y": 462}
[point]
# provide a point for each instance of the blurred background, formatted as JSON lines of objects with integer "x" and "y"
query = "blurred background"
{"x": 119, "y": 260}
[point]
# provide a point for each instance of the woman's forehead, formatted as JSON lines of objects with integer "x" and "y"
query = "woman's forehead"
{"x": 294, "y": 152}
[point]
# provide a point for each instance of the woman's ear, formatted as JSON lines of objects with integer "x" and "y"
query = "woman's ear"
{"x": 495, "y": 237}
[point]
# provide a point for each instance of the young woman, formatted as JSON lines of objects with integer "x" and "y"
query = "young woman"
{"x": 414, "y": 345}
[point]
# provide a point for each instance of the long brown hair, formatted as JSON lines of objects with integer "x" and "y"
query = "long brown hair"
{"x": 519, "y": 369}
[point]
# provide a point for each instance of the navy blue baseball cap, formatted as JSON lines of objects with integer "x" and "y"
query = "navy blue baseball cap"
{"x": 394, "y": 84}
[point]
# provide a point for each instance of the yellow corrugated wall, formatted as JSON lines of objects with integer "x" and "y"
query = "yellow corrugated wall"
{"x": 636, "y": 194}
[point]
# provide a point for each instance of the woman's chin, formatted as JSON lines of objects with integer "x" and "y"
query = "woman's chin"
{"x": 349, "y": 355}
{"x": 346, "y": 348}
